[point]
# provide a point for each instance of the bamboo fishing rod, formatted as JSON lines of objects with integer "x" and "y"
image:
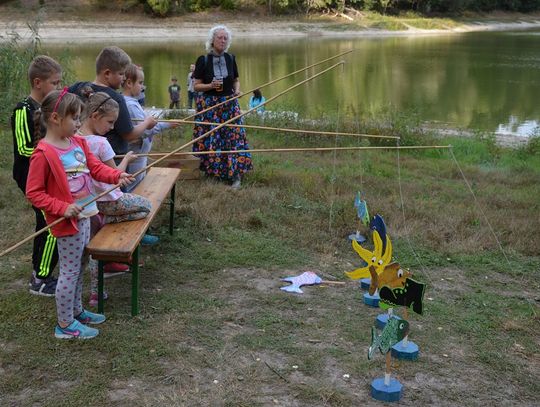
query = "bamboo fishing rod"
{"x": 10, "y": 249}
{"x": 268, "y": 83}
{"x": 290, "y": 150}
{"x": 249, "y": 126}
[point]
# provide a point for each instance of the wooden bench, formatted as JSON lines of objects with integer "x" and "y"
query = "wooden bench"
{"x": 119, "y": 242}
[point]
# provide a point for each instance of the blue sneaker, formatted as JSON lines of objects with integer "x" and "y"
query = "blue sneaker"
{"x": 75, "y": 330}
{"x": 149, "y": 240}
{"x": 87, "y": 317}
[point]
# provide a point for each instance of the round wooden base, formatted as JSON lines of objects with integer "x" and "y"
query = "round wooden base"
{"x": 409, "y": 352}
{"x": 372, "y": 300}
{"x": 358, "y": 237}
{"x": 365, "y": 283}
{"x": 382, "y": 319}
{"x": 381, "y": 392}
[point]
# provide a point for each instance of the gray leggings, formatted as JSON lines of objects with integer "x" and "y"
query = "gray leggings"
{"x": 72, "y": 262}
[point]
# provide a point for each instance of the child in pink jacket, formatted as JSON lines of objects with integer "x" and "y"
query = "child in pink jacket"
{"x": 60, "y": 183}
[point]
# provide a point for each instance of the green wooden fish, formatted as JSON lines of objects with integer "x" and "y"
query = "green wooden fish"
{"x": 394, "y": 331}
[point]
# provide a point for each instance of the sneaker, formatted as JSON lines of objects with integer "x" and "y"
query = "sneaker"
{"x": 114, "y": 269}
{"x": 149, "y": 240}
{"x": 93, "y": 301}
{"x": 87, "y": 317}
{"x": 75, "y": 330}
{"x": 45, "y": 288}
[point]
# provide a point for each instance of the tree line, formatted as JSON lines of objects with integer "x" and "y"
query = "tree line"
{"x": 164, "y": 7}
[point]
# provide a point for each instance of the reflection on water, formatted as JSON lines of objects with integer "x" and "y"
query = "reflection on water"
{"x": 471, "y": 81}
{"x": 522, "y": 128}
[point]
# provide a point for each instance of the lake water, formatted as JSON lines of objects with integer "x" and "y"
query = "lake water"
{"x": 476, "y": 81}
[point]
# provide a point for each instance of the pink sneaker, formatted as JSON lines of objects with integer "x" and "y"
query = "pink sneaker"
{"x": 115, "y": 268}
{"x": 93, "y": 302}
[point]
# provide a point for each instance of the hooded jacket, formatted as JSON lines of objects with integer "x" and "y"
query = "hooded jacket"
{"x": 47, "y": 186}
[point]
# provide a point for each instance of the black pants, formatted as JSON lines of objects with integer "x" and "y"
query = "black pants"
{"x": 174, "y": 103}
{"x": 45, "y": 250}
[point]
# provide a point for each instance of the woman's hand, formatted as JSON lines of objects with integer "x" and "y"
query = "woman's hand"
{"x": 126, "y": 179}
{"x": 217, "y": 84}
{"x": 72, "y": 211}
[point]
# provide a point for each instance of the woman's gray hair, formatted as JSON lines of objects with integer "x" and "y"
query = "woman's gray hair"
{"x": 212, "y": 33}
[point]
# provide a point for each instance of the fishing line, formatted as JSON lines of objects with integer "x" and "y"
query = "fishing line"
{"x": 402, "y": 204}
{"x": 478, "y": 207}
{"x": 333, "y": 177}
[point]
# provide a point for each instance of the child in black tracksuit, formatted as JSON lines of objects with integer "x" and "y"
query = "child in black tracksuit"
{"x": 45, "y": 75}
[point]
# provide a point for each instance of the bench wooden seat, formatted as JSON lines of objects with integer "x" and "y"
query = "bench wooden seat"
{"x": 119, "y": 242}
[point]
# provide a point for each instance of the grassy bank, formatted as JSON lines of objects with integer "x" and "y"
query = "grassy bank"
{"x": 216, "y": 330}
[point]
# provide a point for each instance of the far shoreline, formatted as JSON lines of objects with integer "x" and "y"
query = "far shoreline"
{"x": 54, "y": 30}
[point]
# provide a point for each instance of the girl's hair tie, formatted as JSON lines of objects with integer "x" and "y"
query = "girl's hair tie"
{"x": 102, "y": 103}
{"x": 62, "y": 94}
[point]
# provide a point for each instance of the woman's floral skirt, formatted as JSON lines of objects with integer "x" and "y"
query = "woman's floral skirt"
{"x": 224, "y": 166}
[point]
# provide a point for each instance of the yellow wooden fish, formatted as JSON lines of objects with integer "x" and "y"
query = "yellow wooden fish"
{"x": 376, "y": 260}
{"x": 393, "y": 276}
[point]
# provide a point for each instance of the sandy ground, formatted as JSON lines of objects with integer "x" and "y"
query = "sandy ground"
{"x": 60, "y": 27}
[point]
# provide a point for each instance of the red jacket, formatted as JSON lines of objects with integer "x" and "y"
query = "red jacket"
{"x": 47, "y": 186}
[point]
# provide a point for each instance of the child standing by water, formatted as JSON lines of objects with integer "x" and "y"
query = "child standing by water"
{"x": 99, "y": 115}
{"x": 60, "y": 183}
{"x": 174, "y": 93}
{"x": 45, "y": 75}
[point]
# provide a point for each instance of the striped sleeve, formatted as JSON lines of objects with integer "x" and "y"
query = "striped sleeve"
{"x": 23, "y": 136}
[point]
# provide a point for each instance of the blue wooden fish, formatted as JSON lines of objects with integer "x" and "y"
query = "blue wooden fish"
{"x": 306, "y": 278}
{"x": 361, "y": 209}
{"x": 377, "y": 223}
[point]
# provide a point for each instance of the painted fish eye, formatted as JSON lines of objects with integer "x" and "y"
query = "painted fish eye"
{"x": 373, "y": 259}
{"x": 380, "y": 262}
{"x": 400, "y": 273}
{"x": 401, "y": 326}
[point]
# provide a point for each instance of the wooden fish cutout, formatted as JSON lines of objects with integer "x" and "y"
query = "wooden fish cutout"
{"x": 361, "y": 209}
{"x": 306, "y": 278}
{"x": 376, "y": 260}
{"x": 394, "y": 331}
{"x": 392, "y": 276}
{"x": 411, "y": 295}
{"x": 377, "y": 223}
{"x": 397, "y": 288}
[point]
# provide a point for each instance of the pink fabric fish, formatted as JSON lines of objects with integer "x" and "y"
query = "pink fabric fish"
{"x": 306, "y": 278}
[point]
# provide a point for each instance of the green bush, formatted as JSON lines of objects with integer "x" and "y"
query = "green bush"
{"x": 15, "y": 57}
{"x": 160, "y": 7}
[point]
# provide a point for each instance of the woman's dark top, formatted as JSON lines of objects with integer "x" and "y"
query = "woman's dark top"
{"x": 204, "y": 70}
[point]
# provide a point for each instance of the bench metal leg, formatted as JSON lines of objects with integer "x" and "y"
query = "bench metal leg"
{"x": 100, "y": 286}
{"x": 135, "y": 282}
{"x": 171, "y": 210}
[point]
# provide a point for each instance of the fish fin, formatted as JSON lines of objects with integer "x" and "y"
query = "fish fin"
{"x": 388, "y": 252}
{"x": 362, "y": 272}
{"x": 292, "y": 289}
{"x": 377, "y": 252}
{"x": 365, "y": 254}
{"x": 374, "y": 284}
{"x": 372, "y": 348}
